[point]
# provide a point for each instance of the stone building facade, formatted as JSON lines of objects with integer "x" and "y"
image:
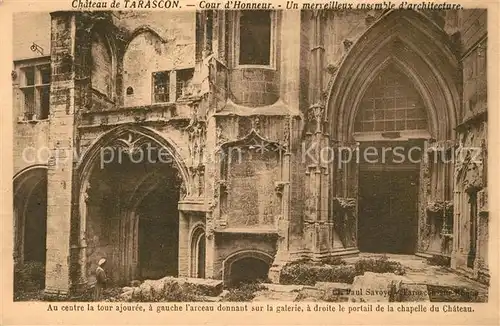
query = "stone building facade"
{"x": 193, "y": 143}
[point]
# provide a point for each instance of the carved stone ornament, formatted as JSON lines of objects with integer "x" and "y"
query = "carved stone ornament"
{"x": 221, "y": 139}
{"x": 279, "y": 187}
{"x": 440, "y": 207}
{"x": 256, "y": 124}
{"x": 130, "y": 142}
{"x": 253, "y": 141}
{"x": 347, "y": 44}
{"x": 287, "y": 131}
{"x": 442, "y": 146}
{"x": 316, "y": 113}
{"x": 86, "y": 194}
{"x": 183, "y": 190}
{"x": 344, "y": 204}
{"x": 209, "y": 229}
{"x": 223, "y": 185}
{"x": 332, "y": 69}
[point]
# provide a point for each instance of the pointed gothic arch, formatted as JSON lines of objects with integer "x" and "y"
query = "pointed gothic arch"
{"x": 415, "y": 46}
{"x": 144, "y": 29}
{"x": 128, "y": 138}
{"x": 147, "y": 134}
{"x": 420, "y": 48}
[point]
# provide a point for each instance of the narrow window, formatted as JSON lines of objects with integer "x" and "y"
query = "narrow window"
{"x": 210, "y": 24}
{"x": 255, "y": 37}
{"x": 44, "y": 91}
{"x": 161, "y": 87}
{"x": 36, "y": 92}
{"x": 183, "y": 82}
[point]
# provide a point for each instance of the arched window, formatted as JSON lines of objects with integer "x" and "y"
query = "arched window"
{"x": 391, "y": 103}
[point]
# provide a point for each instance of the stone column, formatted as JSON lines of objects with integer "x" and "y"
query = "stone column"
{"x": 282, "y": 189}
{"x": 210, "y": 253}
{"x": 60, "y": 170}
{"x": 184, "y": 254}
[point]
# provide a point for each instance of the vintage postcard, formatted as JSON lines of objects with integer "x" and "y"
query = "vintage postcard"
{"x": 245, "y": 162}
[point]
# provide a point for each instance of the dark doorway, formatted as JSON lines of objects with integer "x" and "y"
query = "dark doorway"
{"x": 201, "y": 257}
{"x": 472, "y": 229}
{"x": 35, "y": 230}
{"x": 30, "y": 227}
{"x": 248, "y": 270}
{"x": 159, "y": 234}
{"x": 387, "y": 218}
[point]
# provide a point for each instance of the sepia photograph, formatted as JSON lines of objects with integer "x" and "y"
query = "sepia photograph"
{"x": 261, "y": 155}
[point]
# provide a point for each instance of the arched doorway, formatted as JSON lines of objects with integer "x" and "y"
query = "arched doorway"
{"x": 246, "y": 266}
{"x": 403, "y": 51}
{"x": 30, "y": 226}
{"x": 131, "y": 209}
{"x": 198, "y": 252}
{"x": 389, "y": 170}
{"x": 247, "y": 270}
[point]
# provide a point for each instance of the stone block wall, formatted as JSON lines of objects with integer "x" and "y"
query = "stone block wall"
{"x": 254, "y": 87}
{"x": 60, "y": 173}
{"x": 470, "y": 252}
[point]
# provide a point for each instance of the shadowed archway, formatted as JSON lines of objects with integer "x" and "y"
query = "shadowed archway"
{"x": 30, "y": 225}
{"x": 131, "y": 181}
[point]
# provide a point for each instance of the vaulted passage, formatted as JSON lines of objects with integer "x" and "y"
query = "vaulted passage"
{"x": 132, "y": 216}
{"x": 158, "y": 233}
{"x": 35, "y": 229}
{"x": 30, "y": 213}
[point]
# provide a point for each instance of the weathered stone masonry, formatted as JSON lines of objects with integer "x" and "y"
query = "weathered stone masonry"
{"x": 241, "y": 178}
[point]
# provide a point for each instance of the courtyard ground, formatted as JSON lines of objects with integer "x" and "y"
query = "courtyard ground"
{"x": 439, "y": 282}
{"x": 383, "y": 278}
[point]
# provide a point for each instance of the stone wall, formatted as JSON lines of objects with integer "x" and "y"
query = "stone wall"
{"x": 29, "y": 28}
{"x": 157, "y": 42}
{"x": 102, "y": 66}
{"x": 64, "y": 102}
{"x": 470, "y": 251}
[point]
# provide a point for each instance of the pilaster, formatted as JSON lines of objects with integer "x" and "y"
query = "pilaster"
{"x": 60, "y": 170}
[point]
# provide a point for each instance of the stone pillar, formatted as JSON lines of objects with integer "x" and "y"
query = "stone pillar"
{"x": 318, "y": 174}
{"x": 283, "y": 224}
{"x": 60, "y": 170}
{"x": 172, "y": 86}
{"x": 210, "y": 253}
{"x": 184, "y": 249}
{"x": 318, "y": 171}
{"x": 457, "y": 205}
